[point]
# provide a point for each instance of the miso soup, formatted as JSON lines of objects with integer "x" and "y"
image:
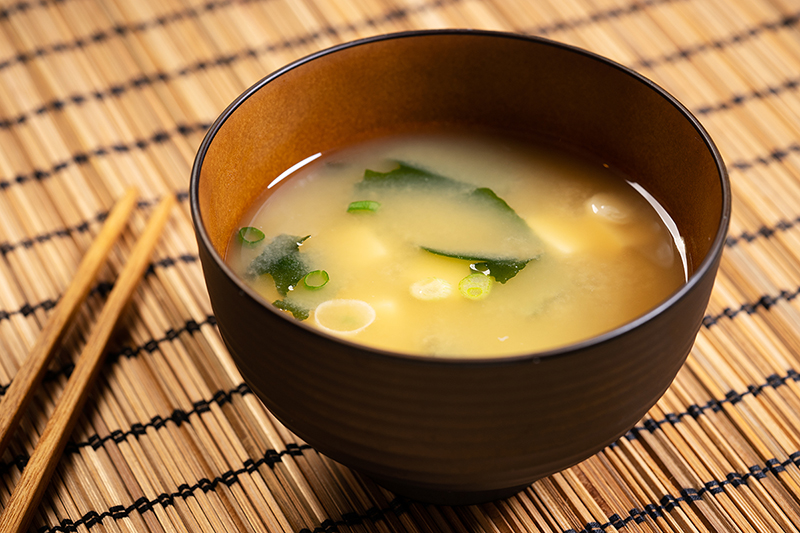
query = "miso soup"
{"x": 459, "y": 244}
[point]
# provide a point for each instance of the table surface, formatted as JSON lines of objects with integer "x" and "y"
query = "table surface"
{"x": 99, "y": 95}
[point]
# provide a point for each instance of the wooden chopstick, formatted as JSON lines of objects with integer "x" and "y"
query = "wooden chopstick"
{"x": 30, "y": 373}
{"x": 32, "y": 483}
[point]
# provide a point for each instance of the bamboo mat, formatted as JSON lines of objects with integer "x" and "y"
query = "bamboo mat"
{"x": 96, "y": 95}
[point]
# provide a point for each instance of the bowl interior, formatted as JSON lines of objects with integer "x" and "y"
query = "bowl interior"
{"x": 519, "y": 85}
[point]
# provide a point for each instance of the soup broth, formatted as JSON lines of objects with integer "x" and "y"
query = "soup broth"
{"x": 455, "y": 244}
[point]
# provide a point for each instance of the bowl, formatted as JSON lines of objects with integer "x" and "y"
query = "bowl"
{"x": 458, "y": 431}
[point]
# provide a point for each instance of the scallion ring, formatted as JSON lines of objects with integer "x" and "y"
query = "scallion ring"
{"x": 250, "y": 235}
{"x": 475, "y": 286}
{"x": 315, "y": 280}
{"x": 369, "y": 206}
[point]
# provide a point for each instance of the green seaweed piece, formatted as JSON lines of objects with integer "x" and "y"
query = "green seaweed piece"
{"x": 250, "y": 236}
{"x": 363, "y": 206}
{"x": 501, "y": 270}
{"x": 298, "y": 311}
{"x": 488, "y": 196}
{"x": 481, "y": 200}
{"x": 406, "y": 175}
{"x": 282, "y": 260}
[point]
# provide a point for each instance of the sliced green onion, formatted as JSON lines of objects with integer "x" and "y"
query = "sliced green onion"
{"x": 363, "y": 205}
{"x": 475, "y": 286}
{"x": 250, "y": 235}
{"x": 316, "y": 279}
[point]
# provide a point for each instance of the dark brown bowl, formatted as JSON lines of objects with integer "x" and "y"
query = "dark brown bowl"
{"x": 458, "y": 430}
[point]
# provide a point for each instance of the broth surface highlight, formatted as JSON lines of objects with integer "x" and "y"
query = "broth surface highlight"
{"x": 459, "y": 245}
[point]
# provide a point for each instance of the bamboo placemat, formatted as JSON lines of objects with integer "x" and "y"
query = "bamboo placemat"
{"x": 97, "y": 95}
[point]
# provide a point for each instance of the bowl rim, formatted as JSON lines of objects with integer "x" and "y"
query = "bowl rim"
{"x": 699, "y": 273}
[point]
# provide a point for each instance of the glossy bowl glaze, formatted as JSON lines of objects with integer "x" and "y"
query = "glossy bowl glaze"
{"x": 458, "y": 430}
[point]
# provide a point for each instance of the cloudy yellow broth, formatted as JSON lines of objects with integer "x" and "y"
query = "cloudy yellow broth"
{"x": 600, "y": 250}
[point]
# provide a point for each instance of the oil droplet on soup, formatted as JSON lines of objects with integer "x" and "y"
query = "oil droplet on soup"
{"x": 455, "y": 244}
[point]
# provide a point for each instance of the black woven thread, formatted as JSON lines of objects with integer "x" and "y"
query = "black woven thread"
{"x": 595, "y": 17}
{"x": 666, "y": 504}
{"x": 119, "y": 30}
{"x": 397, "y": 506}
{"x": 184, "y": 491}
{"x": 27, "y": 309}
{"x": 765, "y": 302}
{"x": 65, "y": 232}
{"x": 774, "y": 381}
{"x": 669, "y": 502}
{"x": 190, "y": 326}
{"x": 777, "y": 155}
{"x": 101, "y": 289}
{"x": 145, "y": 80}
{"x": 758, "y": 94}
{"x": 24, "y": 6}
{"x": 683, "y": 54}
{"x": 178, "y": 417}
{"x": 763, "y": 232}
{"x": 82, "y": 158}
{"x": 83, "y": 227}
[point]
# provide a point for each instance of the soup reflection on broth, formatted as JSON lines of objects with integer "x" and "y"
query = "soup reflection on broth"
{"x": 460, "y": 245}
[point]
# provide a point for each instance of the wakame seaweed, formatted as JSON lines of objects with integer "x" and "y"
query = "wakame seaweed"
{"x": 282, "y": 260}
{"x": 300, "y": 312}
{"x": 487, "y": 195}
{"x": 408, "y": 176}
{"x": 501, "y": 270}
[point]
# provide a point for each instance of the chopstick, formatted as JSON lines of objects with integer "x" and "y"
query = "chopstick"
{"x": 30, "y": 488}
{"x": 32, "y": 370}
